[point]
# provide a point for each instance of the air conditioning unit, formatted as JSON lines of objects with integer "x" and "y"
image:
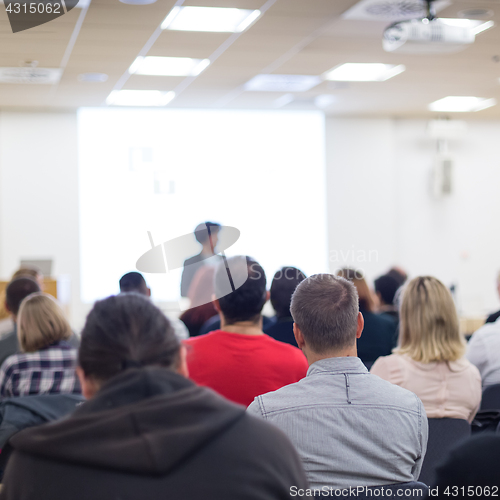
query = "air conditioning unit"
{"x": 442, "y": 176}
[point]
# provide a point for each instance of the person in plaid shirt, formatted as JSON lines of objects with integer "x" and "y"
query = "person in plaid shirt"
{"x": 47, "y": 364}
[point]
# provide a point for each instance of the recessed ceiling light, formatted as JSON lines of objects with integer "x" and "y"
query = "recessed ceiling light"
{"x": 168, "y": 66}
{"x": 139, "y": 98}
{"x": 282, "y": 83}
{"x": 216, "y": 19}
{"x": 457, "y": 104}
{"x": 473, "y": 24}
{"x": 93, "y": 77}
{"x": 364, "y": 72}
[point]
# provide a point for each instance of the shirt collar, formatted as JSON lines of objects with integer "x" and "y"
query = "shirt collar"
{"x": 337, "y": 365}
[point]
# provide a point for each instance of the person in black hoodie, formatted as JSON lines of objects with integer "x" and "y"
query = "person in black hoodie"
{"x": 146, "y": 431}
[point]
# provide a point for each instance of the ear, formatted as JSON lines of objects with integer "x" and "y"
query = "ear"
{"x": 361, "y": 324}
{"x": 7, "y": 307}
{"x": 89, "y": 385}
{"x": 299, "y": 338}
{"x": 268, "y": 295}
{"x": 182, "y": 368}
{"x": 216, "y": 304}
{"x": 149, "y": 292}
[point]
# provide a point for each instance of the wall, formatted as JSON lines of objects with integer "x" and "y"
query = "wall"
{"x": 39, "y": 193}
{"x": 380, "y": 211}
{"x": 379, "y": 173}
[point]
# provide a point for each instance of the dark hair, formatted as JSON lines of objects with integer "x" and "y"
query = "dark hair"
{"x": 125, "y": 331}
{"x": 17, "y": 290}
{"x": 202, "y": 231}
{"x": 387, "y": 286}
{"x": 325, "y": 308}
{"x": 133, "y": 282}
{"x": 398, "y": 274}
{"x": 284, "y": 283}
{"x": 247, "y": 279}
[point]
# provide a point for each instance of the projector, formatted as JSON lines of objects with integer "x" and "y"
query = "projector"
{"x": 426, "y": 36}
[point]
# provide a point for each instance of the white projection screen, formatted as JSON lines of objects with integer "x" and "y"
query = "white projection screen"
{"x": 166, "y": 170}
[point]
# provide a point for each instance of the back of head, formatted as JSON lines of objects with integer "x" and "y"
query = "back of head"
{"x": 325, "y": 308}
{"x": 41, "y": 323}
{"x": 246, "y": 302}
{"x": 429, "y": 329}
{"x": 17, "y": 290}
{"x": 398, "y": 274}
{"x": 133, "y": 282}
{"x": 387, "y": 286}
{"x": 28, "y": 271}
{"x": 284, "y": 283}
{"x": 203, "y": 230}
{"x": 356, "y": 277}
{"x": 124, "y": 331}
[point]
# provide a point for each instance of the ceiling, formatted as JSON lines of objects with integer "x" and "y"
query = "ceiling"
{"x": 306, "y": 37}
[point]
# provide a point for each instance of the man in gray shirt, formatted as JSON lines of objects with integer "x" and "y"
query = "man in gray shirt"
{"x": 350, "y": 428}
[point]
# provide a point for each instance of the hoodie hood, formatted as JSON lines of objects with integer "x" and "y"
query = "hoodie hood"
{"x": 144, "y": 421}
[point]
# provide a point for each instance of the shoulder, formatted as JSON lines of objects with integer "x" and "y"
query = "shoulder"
{"x": 490, "y": 332}
{"x": 193, "y": 260}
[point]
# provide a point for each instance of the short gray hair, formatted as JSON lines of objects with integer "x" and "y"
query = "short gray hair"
{"x": 325, "y": 308}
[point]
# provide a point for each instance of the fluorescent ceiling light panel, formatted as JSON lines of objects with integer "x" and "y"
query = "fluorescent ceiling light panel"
{"x": 214, "y": 19}
{"x": 168, "y": 66}
{"x": 282, "y": 83}
{"x": 364, "y": 72}
{"x": 461, "y": 104}
{"x": 474, "y": 25}
{"x": 139, "y": 98}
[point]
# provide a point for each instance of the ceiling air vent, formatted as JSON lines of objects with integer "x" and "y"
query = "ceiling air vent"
{"x": 48, "y": 76}
{"x": 391, "y": 10}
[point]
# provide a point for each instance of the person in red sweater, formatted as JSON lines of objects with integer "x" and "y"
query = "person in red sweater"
{"x": 240, "y": 361}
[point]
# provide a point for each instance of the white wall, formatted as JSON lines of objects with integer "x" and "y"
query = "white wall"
{"x": 380, "y": 198}
{"x": 380, "y": 211}
{"x": 39, "y": 193}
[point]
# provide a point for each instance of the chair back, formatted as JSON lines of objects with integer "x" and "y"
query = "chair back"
{"x": 491, "y": 398}
{"x": 444, "y": 433}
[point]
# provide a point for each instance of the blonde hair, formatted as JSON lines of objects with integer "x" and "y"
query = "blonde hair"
{"x": 41, "y": 322}
{"x": 429, "y": 329}
{"x": 356, "y": 277}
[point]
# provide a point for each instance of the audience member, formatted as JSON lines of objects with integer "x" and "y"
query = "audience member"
{"x": 207, "y": 235}
{"x": 134, "y": 282}
{"x": 472, "y": 465}
{"x": 240, "y": 361}
{"x": 386, "y": 287}
{"x": 17, "y": 290}
{"x": 429, "y": 360}
{"x": 380, "y": 331}
{"x": 47, "y": 362}
{"x": 349, "y": 427}
{"x": 147, "y": 432}
{"x": 7, "y": 325}
{"x": 213, "y": 324}
{"x": 200, "y": 295}
{"x": 284, "y": 283}
{"x": 494, "y": 316}
{"x": 32, "y": 272}
{"x": 398, "y": 274}
{"x": 483, "y": 351}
